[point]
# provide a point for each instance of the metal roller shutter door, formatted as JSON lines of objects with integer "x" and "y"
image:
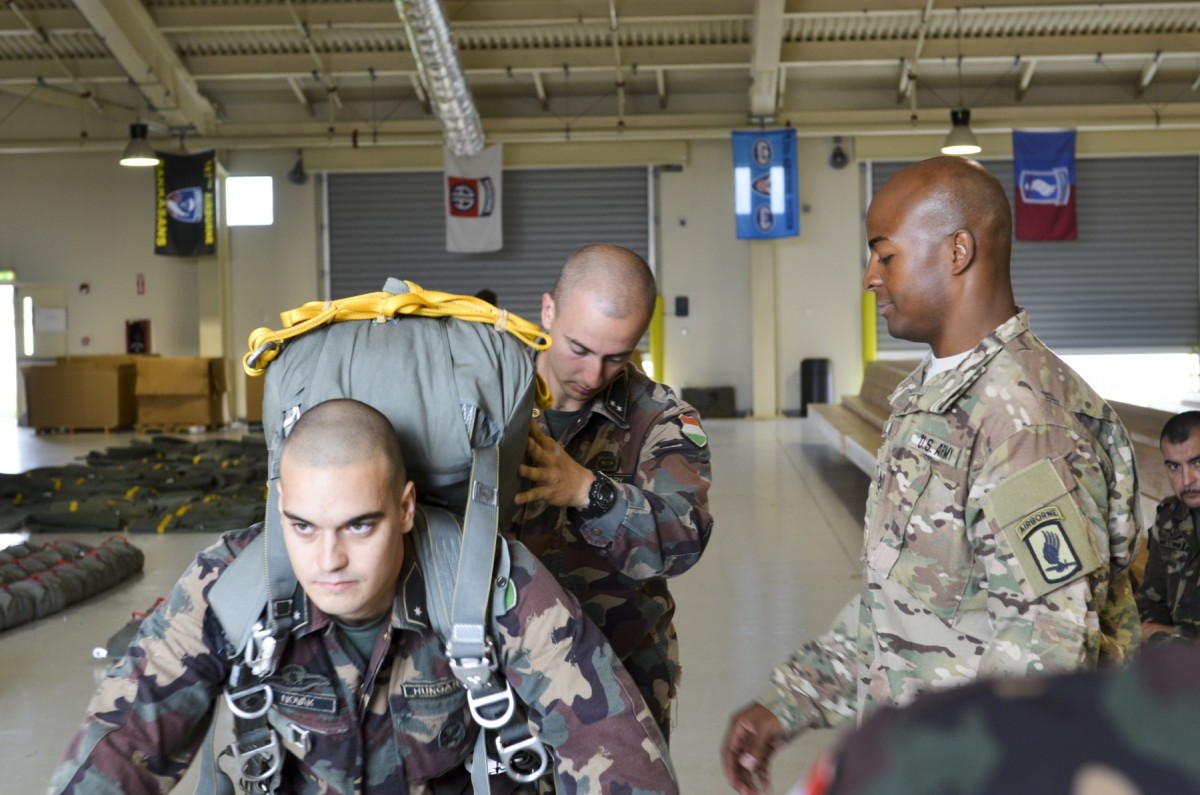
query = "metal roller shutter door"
{"x": 385, "y": 224}
{"x": 1129, "y": 283}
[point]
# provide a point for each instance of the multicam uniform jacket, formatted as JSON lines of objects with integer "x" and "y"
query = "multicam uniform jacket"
{"x": 1170, "y": 590}
{"x": 652, "y": 445}
{"x": 1000, "y": 526}
{"x": 402, "y": 726}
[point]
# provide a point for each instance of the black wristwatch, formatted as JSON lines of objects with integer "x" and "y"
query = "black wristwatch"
{"x": 602, "y": 496}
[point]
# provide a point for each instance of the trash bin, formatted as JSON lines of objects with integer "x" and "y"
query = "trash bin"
{"x": 816, "y": 383}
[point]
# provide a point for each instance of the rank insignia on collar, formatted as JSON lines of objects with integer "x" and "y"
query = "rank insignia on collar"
{"x": 693, "y": 431}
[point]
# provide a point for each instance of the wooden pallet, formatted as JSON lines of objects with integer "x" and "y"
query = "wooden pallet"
{"x": 175, "y": 428}
{"x": 74, "y": 430}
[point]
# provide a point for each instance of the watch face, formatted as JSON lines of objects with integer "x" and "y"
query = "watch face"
{"x": 601, "y": 496}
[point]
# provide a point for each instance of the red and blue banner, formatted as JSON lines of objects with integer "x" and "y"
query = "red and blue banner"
{"x": 185, "y": 214}
{"x": 1044, "y": 176}
{"x": 766, "y": 200}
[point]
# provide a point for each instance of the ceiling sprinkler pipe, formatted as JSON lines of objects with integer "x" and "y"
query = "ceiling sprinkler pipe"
{"x": 433, "y": 49}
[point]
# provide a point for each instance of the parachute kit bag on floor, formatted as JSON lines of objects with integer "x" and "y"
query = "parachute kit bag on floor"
{"x": 453, "y": 376}
{"x": 38, "y": 581}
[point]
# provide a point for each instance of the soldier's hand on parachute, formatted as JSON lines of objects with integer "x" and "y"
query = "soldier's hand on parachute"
{"x": 556, "y": 477}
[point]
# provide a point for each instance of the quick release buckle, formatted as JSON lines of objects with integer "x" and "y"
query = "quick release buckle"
{"x": 525, "y": 760}
{"x": 473, "y": 672}
{"x": 261, "y": 762}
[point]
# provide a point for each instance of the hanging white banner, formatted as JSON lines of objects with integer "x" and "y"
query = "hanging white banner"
{"x": 474, "y": 222}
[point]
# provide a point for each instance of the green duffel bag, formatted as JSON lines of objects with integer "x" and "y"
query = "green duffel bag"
{"x": 16, "y": 607}
{"x": 71, "y": 580}
{"x": 45, "y": 598}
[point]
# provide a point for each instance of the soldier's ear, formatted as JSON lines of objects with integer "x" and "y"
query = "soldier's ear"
{"x": 962, "y": 251}
{"x": 547, "y": 310}
{"x": 408, "y": 506}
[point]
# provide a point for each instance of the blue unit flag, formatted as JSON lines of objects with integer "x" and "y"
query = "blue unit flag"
{"x": 766, "y": 200}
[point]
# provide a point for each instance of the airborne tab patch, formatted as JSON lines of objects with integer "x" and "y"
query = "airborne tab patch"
{"x": 935, "y": 448}
{"x": 1049, "y": 545}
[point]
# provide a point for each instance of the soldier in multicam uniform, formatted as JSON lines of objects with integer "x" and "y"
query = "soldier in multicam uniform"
{"x": 366, "y": 683}
{"x": 1129, "y": 731}
{"x": 626, "y": 505}
{"x": 1003, "y": 515}
{"x": 1169, "y": 596}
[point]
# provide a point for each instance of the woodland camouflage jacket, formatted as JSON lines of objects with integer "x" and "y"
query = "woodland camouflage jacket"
{"x": 399, "y": 724}
{"x": 1170, "y": 589}
{"x": 651, "y": 443}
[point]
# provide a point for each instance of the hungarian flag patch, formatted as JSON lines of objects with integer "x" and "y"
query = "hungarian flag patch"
{"x": 693, "y": 431}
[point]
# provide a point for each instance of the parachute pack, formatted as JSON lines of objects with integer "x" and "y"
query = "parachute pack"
{"x": 453, "y": 376}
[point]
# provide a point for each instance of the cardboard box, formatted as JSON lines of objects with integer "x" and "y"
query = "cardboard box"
{"x": 80, "y": 396}
{"x": 711, "y": 401}
{"x": 254, "y": 397}
{"x": 180, "y": 411}
{"x": 180, "y": 375}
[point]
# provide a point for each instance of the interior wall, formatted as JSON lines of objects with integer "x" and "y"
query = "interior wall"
{"x": 74, "y": 218}
{"x": 80, "y": 219}
{"x": 819, "y": 276}
{"x": 817, "y": 279}
{"x": 701, "y": 258}
{"x": 272, "y": 268}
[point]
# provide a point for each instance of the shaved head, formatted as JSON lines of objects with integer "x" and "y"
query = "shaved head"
{"x": 342, "y": 433}
{"x": 957, "y": 193}
{"x": 617, "y": 279}
{"x": 940, "y": 234}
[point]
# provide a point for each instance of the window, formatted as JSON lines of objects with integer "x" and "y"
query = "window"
{"x": 249, "y": 201}
{"x": 1158, "y": 380}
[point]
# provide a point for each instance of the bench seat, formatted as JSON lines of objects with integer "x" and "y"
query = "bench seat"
{"x": 855, "y": 428}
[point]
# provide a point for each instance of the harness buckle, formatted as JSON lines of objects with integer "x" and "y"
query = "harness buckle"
{"x": 525, "y": 760}
{"x": 487, "y": 701}
{"x": 300, "y": 737}
{"x": 474, "y": 672}
{"x": 244, "y": 702}
{"x": 262, "y": 762}
{"x": 260, "y": 650}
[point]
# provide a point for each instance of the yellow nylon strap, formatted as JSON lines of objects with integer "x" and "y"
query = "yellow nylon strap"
{"x": 265, "y": 344}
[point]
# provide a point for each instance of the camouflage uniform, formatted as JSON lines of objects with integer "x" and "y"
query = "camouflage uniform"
{"x": 1170, "y": 590}
{"x": 402, "y": 727}
{"x": 650, "y": 442}
{"x": 1130, "y": 731}
{"x": 1000, "y": 526}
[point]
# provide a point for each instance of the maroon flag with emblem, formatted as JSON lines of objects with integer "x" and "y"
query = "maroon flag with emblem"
{"x": 1044, "y": 185}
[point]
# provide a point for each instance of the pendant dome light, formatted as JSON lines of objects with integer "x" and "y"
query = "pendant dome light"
{"x": 960, "y": 140}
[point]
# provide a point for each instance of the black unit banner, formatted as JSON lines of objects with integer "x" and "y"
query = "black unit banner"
{"x": 185, "y": 221}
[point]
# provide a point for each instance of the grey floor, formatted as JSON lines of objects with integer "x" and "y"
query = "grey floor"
{"x": 782, "y": 560}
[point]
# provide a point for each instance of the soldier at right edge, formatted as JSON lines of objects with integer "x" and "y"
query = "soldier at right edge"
{"x": 1002, "y": 517}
